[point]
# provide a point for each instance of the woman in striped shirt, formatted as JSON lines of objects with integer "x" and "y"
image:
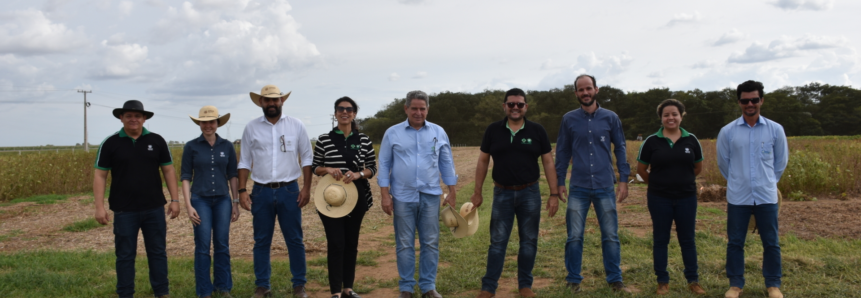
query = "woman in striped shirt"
{"x": 348, "y": 156}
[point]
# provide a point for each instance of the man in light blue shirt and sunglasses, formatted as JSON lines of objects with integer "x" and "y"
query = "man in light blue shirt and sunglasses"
{"x": 752, "y": 155}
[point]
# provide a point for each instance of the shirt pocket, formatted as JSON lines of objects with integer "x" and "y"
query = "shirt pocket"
{"x": 290, "y": 143}
{"x": 767, "y": 151}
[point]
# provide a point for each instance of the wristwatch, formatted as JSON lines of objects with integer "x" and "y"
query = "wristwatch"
{"x": 235, "y": 201}
{"x": 241, "y": 190}
{"x": 362, "y": 173}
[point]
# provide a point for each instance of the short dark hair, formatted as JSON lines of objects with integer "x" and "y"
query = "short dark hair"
{"x": 514, "y": 92}
{"x": 594, "y": 82}
{"x": 671, "y": 102}
{"x": 352, "y": 102}
{"x": 749, "y": 86}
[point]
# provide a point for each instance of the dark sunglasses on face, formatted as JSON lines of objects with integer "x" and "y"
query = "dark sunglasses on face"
{"x": 344, "y": 109}
{"x": 518, "y": 104}
{"x": 745, "y": 101}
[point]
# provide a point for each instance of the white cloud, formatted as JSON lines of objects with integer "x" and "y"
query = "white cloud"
{"x": 705, "y": 64}
{"x": 549, "y": 64}
{"x": 221, "y": 4}
{"x": 730, "y": 37}
{"x": 656, "y": 74}
{"x": 394, "y": 77}
{"x": 232, "y": 49}
{"x": 125, "y": 7}
{"x": 119, "y": 61}
{"x": 604, "y": 68}
{"x": 30, "y": 32}
{"x": 413, "y": 2}
{"x": 785, "y": 47}
{"x": 684, "y": 18}
{"x": 816, "y": 5}
{"x": 420, "y": 75}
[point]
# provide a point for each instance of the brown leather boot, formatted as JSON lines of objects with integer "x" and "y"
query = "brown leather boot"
{"x": 405, "y": 295}
{"x": 485, "y": 294}
{"x": 527, "y": 292}
{"x": 431, "y": 294}
{"x": 261, "y": 292}
{"x": 663, "y": 288}
{"x": 696, "y": 288}
{"x": 733, "y": 292}
{"x": 774, "y": 292}
{"x": 299, "y": 292}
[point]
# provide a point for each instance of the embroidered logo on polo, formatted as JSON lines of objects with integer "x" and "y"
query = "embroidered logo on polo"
{"x": 149, "y": 147}
{"x": 222, "y": 154}
{"x": 602, "y": 138}
{"x": 354, "y": 146}
{"x": 687, "y": 150}
{"x": 526, "y": 141}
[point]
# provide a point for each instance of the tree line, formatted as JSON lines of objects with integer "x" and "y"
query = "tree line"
{"x": 810, "y": 110}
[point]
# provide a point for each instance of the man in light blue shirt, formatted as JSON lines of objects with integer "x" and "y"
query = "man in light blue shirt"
{"x": 413, "y": 156}
{"x": 752, "y": 155}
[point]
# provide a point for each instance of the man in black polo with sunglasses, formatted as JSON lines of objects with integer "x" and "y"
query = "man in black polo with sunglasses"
{"x": 515, "y": 145}
{"x": 752, "y": 154}
{"x": 276, "y": 150}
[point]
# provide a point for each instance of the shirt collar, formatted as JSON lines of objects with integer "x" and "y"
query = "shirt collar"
{"x": 264, "y": 119}
{"x": 596, "y": 110}
{"x": 660, "y": 133}
{"x": 218, "y": 139}
{"x": 338, "y": 131}
{"x": 124, "y": 135}
{"x": 407, "y": 123}
{"x": 759, "y": 121}
{"x": 505, "y": 121}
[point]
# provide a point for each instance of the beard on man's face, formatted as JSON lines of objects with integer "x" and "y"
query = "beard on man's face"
{"x": 585, "y": 103}
{"x": 272, "y": 111}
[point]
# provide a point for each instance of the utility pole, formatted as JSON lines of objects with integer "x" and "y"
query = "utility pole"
{"x": 86, "y": 104}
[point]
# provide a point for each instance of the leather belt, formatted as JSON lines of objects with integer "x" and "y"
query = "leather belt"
{"x": 514, "y": 187}
{"x": 274, "y": 185}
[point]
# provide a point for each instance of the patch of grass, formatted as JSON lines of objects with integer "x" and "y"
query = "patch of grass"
{"x": 321, "y": 261}
{"x": 82, "y": 225}
{"x": 710, "y": 210}
{"x": 38, "y": 199}
{"x": 13, "y": 233}
{"x": 369, "y": 258}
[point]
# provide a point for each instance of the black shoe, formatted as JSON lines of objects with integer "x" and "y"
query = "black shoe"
{"x": 350, "y": 294}
{"x": 619, "y": 286}
{"x": 574, "y": 287}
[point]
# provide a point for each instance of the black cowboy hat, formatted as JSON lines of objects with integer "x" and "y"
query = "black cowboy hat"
{"x": 132, "y": 106}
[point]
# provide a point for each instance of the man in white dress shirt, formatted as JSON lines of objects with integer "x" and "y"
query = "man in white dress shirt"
{"x": 276, "y": 150}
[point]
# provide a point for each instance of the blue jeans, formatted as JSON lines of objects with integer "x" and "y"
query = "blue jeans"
{"x": 215, "y": 213}
{"x": 604, "y": 200}
{"x": 738, "y": 218}
{"x": 524, "y": 204}
{"x": 154, "y": 227}
{"x": 684, "y": 212}
{"x": 267, "y": 204}
{"x": 424, "y": 217}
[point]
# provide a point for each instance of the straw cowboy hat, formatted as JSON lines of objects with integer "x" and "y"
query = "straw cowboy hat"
{"x": 334, "y": 198}
{"x": 209, "y": 113}
{"x": 270, "y": 91}
{"x": 752, "y": 224}
{"x": 461, "y": 224}
{"x": 132, "y": 106}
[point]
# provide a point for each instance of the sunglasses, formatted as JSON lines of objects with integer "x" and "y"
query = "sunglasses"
{"x": 518, "y": 104}
{"x": 745, "y": 101}
{"x": 283, "y": 146}
{"x": 344, "y": 109}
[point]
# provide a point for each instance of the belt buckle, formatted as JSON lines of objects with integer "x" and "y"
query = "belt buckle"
{"x": 275, "y": 185}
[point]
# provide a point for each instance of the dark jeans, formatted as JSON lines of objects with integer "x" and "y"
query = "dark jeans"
{"x": 267, "y": 204}
{"x": 738, "y": 218}
{"x": 126, "y": 226}
{"x": 684, "y": 212}
{"x": 342, "y": 241}
{"x": 525, "y": 205}
{"x": 215, "y": 213}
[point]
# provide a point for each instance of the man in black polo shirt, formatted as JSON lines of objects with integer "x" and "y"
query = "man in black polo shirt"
{"x": 515, "y": 145}
{"x": 133, "y": 156}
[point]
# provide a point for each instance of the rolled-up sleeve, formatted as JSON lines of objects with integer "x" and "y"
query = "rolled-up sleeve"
{"x": 563, "y": 152}
{"x": 245, "y": 159}
{"x": 617, "y": 135}
{"x": 187, "y": 166}
{"x": 306, "y": 156}
{"x": 781, "y": 152}
{"x": 386, "y": 160}
{"x": 446, "y": 162}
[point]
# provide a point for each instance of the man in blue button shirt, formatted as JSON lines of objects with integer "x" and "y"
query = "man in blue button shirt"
{"x": 584, "y": 140}
{"x": 752, "y": 155}
{"x": 413, "y": 156}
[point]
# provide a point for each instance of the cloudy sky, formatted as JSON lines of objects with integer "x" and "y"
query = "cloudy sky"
{"x": 176, "y": 56}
